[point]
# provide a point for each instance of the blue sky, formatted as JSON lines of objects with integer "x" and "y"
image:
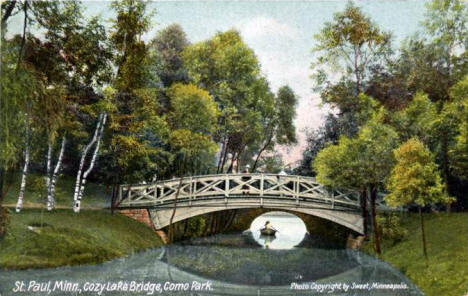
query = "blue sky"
{"x": 281, "y": 34}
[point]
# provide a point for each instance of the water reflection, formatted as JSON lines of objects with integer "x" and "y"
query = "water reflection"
{"x": 266, "y": 240}
{"x": 233, "y": 264}
{"x": 291, "y": 230}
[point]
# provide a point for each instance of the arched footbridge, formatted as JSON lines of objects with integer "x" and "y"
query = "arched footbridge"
{"x": 198, "y": 195}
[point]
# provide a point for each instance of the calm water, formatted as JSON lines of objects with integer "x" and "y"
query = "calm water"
{"x": 291, "y": 230}
{"x": 235, "y": 264}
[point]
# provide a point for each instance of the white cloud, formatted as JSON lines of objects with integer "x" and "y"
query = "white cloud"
{"x": 262, "y": 26}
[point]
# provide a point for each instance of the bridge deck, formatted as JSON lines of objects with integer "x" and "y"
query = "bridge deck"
{"x": 232, "y": 187}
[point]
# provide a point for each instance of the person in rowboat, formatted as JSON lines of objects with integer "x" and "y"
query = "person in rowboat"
{"x": 269, "y": 226}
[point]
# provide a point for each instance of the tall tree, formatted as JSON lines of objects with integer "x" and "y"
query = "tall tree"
{"x": 458, "y": 151}
{"x": 230, "y": 71}
{"x": 415, "y": 179}
{"x": 351, "y": 44}
{"x": 17, "y": 87}
{"x": 361, "y": 163}
{"x": 279, "y": 127}
{"x": 167, "y": 48}
{"x": 447, "y": 24}
{"x": 136, "y": 129}
{"x": 433, "y": 61}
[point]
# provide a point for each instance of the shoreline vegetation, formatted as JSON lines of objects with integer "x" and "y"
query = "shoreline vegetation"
{"x": 446, "y": 272}
{"x": 36, "y": 238}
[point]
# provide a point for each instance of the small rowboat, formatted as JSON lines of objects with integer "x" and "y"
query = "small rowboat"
{"x": 268, "y": 231}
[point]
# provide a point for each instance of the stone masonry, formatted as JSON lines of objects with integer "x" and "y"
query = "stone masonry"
{"x": 143, "y": 216}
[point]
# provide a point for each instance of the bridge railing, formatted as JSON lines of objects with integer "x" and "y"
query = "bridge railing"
{"x": 231, "y": 186}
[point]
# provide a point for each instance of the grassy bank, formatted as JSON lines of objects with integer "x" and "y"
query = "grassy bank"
{"x": 66, "y": 238}
{"x": 447, "y": 241}
{"x": 94, "y": 195}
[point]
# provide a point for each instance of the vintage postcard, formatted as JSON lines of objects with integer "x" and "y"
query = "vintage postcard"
{"x": 215, "y": 147}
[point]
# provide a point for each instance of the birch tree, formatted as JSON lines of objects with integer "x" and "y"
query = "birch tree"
{"x": 84, "y": 154}
{"x": 48, "y": 168}
{"x": 81, "y": 177}
{"x": 52, "y": 179}
{"x": 27, "y": 152}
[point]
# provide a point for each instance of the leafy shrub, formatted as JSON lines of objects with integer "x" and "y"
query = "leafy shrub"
{"x": 390, "y": 228}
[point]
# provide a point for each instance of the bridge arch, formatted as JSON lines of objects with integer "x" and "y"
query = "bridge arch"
{"x": 161, "y": 218}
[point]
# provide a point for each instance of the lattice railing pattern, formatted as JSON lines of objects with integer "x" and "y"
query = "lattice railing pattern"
{"x": 297, "y": 189}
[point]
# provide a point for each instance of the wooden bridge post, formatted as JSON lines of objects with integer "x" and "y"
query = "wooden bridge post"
{"x": 296, "y": 190}
{"x": 226, "y": 189}
{"x": 262, "y": 180}
{"x": 226, "y": 185}
{"x": 190, "y": 190}
{"x": 261, "y": 184}
{"x": 333, "y": 199}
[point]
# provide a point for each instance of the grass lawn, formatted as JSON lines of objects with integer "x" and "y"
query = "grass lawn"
{"x": 94, "y": 195}
{"x": 447, "y": 241}
{"x": 66, "y": 238}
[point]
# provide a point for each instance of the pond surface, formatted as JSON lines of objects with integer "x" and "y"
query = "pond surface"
{"x": 234, "y": 264}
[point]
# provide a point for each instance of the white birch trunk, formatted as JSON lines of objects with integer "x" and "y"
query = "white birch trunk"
{"x": 51, "y": 198}
{"x": 84, "y": 153}
{"x": 47, "y": 177}
{"x": 19, "y": 204}
{"x": 77, "y": 205}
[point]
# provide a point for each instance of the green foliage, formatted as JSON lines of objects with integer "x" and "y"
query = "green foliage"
{"x": 390, "y": 228}
{"x": 191, "y": 143}
{"x": 286, "y": 102}
{"x": 12, "y": 106}
{"x": 193, "y": 108}
{"x": 223, "y": 64}
{"x": 415, "y": 179}
{"x": 458, "y": 151}
{"x": 376, "y": 155}
{"x": 272, "y": 164}
{"x": 167, "y": 47}
{"x": 138, "y": 131}
{"x": 351, "y": 44}
{"x": 336, "y": 165}
{"x": 226, "y": 67}
{"x": 417, "y": 119}
{"x": 436, "y": 59}
{"x": 447, "y": 23}
{"x": 131, "y": 53}
{"x": 358, "y": 162}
